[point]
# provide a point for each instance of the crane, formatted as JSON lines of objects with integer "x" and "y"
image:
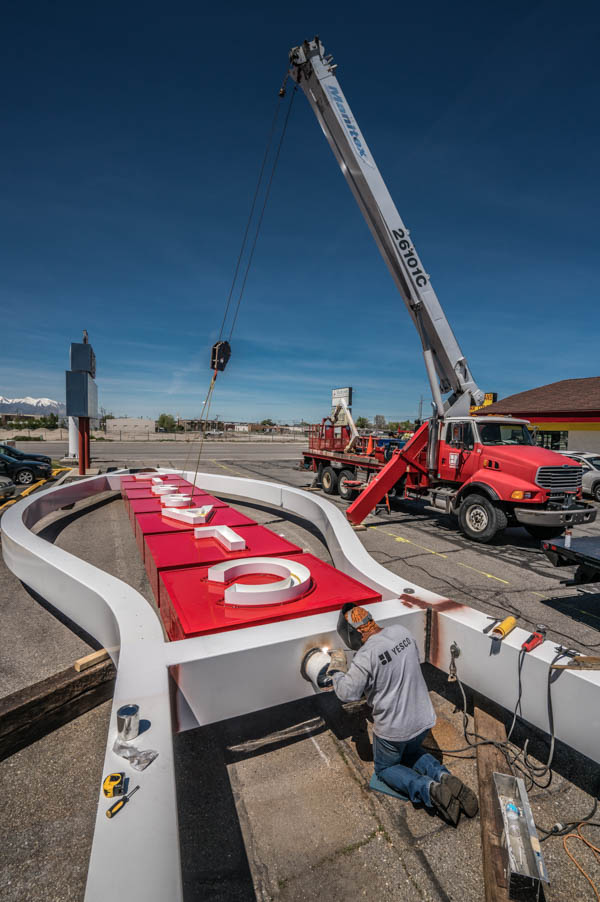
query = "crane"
{"x": 447, "y": 367}
{"x": 486, "y": 470}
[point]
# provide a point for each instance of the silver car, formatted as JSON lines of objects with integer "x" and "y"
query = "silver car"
{"x": 590, "y": 461}
{"x": 7, "y": 487}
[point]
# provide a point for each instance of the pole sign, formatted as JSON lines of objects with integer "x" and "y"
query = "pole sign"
{"x": 341, "y": 394}
{"x": 81, "y": 390}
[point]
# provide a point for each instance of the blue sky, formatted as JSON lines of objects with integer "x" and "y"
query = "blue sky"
{"x": 132, "y": 137}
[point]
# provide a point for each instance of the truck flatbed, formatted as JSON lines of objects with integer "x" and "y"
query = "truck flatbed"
{"x": 583, "y": 553}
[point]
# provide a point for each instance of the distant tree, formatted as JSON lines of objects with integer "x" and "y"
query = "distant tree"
{"x": 166, "y": 422}
{"x": 362, "y": 423}
{"x": 267, "y": 422}
{"x": 392, "y": 426}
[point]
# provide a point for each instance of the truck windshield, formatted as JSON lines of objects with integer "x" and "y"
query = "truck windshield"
{"x": 504, "y": 434}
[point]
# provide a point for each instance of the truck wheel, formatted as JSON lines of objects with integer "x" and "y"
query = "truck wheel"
{"x": 596, "y": 492}
{"x": 545, "y": 532}
{"x": 329, "y": 481}
{"x": 347, "y": 492}
{"x": 479, "y": 519}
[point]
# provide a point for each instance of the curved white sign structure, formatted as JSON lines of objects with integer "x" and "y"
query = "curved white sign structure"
{"x": 125, "y": 624}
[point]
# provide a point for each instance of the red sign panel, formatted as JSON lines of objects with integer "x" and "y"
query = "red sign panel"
{"x": 159, "y": 524}
{"x": 190, "y": 605}
{"x": 153, "y": 505}
{"x": 176, "y": 550}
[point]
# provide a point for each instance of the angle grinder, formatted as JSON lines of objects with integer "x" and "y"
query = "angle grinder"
{"x": 314, "y": 669}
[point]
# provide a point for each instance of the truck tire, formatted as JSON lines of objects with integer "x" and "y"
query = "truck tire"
{"x": 596, "y": 491}
{"x": 329, "y": 481}
{"x": 347, "y": 492}
{"x": 479, "y": 519}
{"x": 545, "y": 532}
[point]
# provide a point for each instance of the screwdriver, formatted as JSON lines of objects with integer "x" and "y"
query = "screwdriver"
{"x": 114, "y": 809}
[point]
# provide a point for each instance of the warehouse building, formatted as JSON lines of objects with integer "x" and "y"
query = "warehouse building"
{"x": 566, "y": 413}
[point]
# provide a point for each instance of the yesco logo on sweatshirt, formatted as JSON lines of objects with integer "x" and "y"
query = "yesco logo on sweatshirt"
{"x": 386, "y": 657}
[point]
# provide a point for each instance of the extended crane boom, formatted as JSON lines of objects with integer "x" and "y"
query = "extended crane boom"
{"x": 446, "y": 365}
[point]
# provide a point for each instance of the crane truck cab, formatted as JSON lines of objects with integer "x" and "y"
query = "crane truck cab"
{"x": 501, "y": 478}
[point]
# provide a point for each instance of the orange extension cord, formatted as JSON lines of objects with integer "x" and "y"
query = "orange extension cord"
{"x": 579, "y": 835}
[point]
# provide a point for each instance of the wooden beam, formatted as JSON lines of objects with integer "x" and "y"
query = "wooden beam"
{"x": 490, "y": 760}
{"x": 33, "y": 712}
{"x": 89, "y": 660}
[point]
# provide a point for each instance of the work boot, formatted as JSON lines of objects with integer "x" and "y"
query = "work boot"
{"x": 447, "y": 805}
{"x": 465, "y": 796}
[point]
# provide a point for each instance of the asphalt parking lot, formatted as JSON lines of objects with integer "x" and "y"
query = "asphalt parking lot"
{"x": 275, "y": 805}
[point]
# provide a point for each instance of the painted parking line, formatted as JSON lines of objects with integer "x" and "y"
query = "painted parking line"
{"x": 398, "y": 538}
{"x": 439, "y": 554}
{"x": 31, "y": 488}
{"x": 225, "y": 467}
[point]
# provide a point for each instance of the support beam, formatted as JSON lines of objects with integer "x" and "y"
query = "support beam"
{"x": 33, "y": 712}
{"x": 81, "y": 427}
{"x": 490, "y": 760}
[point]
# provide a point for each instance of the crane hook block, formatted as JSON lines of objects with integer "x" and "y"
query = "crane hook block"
{"x": 219, "y": 355}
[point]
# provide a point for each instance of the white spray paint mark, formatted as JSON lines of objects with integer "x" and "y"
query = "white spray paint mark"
{"x": 320, "y": 751}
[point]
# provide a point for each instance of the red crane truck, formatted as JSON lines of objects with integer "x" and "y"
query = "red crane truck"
{"x": 484, "y": 469}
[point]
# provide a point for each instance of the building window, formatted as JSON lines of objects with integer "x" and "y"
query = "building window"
{"x": 553, "y": 441}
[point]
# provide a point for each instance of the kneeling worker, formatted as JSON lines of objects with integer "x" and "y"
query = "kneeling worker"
{"x": 386, "y": 669}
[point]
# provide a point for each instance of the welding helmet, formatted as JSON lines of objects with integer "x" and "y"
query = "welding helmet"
{"x": 349, "y": 632}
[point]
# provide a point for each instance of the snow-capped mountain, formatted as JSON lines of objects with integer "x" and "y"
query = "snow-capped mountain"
{"x": 40, "y": 406}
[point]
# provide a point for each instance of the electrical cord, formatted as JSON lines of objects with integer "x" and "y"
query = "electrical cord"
{"x": 517, "y": 759}
{"x": 532, "y": 773}
{"x": 579, "y": 835}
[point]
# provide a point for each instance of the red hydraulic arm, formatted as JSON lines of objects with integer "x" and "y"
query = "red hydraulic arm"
{"x": 389, "y": 475}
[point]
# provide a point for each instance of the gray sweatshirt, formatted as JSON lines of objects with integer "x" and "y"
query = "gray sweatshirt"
{"x": 387, "y": 670}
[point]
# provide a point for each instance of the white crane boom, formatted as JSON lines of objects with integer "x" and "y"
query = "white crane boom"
{"x": 446, "y": 365}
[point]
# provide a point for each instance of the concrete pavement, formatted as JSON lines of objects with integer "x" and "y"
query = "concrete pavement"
{"x": 166, "y": 453}
{"x": 276, "y": 805}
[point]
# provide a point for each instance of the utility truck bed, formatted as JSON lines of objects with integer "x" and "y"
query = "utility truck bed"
{"x": 583, "y": 553}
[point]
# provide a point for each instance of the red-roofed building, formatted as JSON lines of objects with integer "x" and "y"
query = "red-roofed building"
{"x": 566, "y": 413}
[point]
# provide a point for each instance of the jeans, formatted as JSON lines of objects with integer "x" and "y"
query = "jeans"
{"x": 407, "y": 768}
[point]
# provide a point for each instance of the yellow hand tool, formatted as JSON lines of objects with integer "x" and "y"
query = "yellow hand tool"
{"x": 502, "y": 630}
{"x": 114, "y": 785}
{"x": 114, "y": 809}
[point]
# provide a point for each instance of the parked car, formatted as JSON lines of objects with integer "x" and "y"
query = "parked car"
{"x": 7, "y": 487}
{"x": 24, "y": 455}
{"x": 23, "y": 471}
{"x": 590, "y": 461}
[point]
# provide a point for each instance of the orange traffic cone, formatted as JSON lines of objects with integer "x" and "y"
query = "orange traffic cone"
{"x": 370, "y": 446}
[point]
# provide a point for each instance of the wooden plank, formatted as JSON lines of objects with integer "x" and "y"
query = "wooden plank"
{"x": 35, "y": 711}
{"x": 89, "y": 660}
{"x": 490, "y": 760}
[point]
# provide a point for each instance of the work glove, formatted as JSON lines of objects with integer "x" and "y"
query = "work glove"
{"x": 338, "y": 662}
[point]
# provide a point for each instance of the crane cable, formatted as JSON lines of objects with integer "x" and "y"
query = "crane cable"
{"x": 207, "y": 401}
{"x": 264, "y": 206}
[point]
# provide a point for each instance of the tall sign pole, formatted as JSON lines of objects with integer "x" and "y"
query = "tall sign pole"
{"x": 82, "y": 395}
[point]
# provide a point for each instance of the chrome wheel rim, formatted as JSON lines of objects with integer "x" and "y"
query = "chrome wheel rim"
{"x": 477, "y": 518}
